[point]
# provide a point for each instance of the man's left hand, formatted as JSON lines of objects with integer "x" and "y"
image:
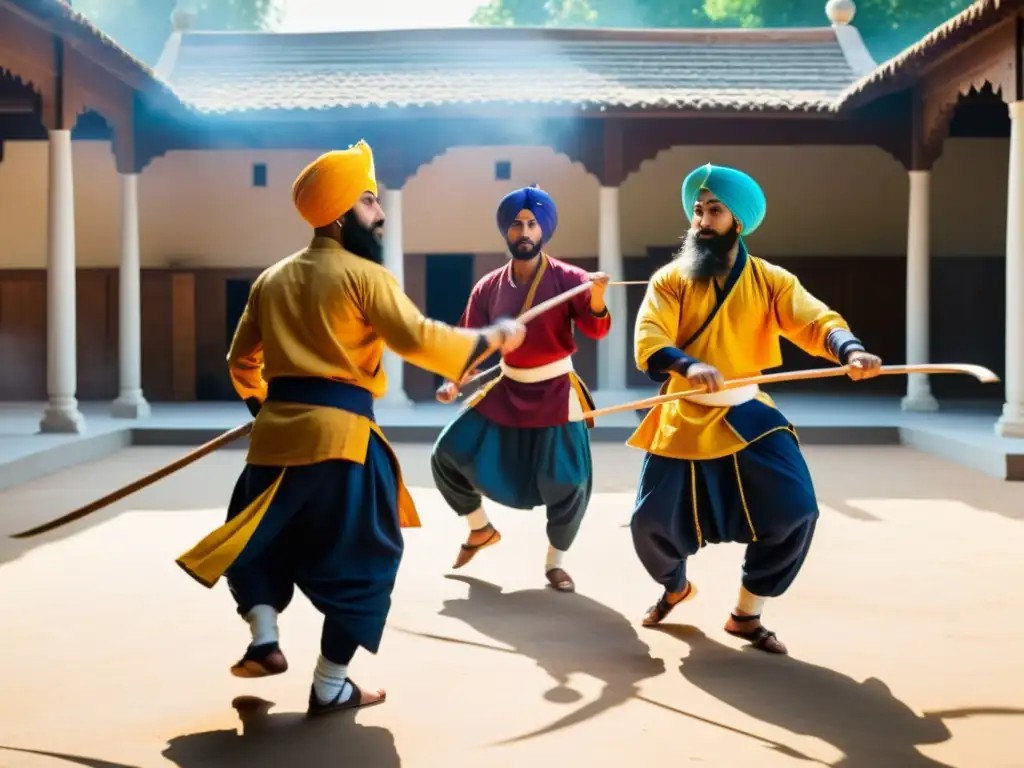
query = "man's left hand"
{"x": 863, "y": 365}
{"x": 598, "y": 283}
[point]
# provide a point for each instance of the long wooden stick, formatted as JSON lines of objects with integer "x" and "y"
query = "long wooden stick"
{"x": 194, "y": 455}
{"x": 540, "y": 309}
{"x": 977, "y": 371}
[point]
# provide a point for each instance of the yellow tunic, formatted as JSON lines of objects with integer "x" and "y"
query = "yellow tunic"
{"x": 322, "y": 312}
{"x": 766, "y": 303}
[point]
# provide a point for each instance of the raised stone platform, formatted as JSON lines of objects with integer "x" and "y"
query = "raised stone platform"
{"x": 961, "y": 432}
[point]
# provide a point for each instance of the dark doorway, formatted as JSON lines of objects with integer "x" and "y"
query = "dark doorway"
{"x": 236, "y": 296}
{"x": 449, "y": 283}
{"x": 218, "y": 386}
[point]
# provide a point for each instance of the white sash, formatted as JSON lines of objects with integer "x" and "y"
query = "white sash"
{"x": 544, "y": 373}
{"x": 726, "y": 397}
{"x": 540, "y": 373}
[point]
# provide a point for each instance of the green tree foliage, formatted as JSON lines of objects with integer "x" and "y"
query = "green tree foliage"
{"x": 142, "y": 26}
{"x": 887, "y": 26}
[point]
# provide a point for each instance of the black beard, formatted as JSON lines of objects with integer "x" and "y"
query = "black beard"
{"x": 705, "y": 258}
{"x": 361, "y": 241}
{"x": 526, "y": 255}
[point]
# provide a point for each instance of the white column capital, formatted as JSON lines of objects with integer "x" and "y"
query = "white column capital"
{"x": 1016, "y": 109}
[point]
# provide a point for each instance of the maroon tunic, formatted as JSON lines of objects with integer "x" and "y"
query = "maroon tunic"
{"x": 549, "y": 337}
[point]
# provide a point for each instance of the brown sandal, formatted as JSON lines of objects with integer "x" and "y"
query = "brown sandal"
{"x": 260, "y": 661}
{"x": 657, "y": 612}
{"x": 761, "y": 638}
{"x": 560, "y": 580}
{"x": 354, "y": 701}
{"x": 468, "y": 551}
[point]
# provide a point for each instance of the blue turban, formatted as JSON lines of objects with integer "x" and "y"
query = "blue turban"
{"x": 737, "y": 191}
{"x": 532, "y": 199}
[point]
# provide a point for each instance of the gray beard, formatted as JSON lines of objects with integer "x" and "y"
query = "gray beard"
{"x": 706, "y": 259}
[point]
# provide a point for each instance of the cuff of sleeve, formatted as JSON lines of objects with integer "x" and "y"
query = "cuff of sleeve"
{"x": 842, "y": 343}
{"x": 478, "y": 349}
{"x": 668, "y": 359}
{"x": 602, "y": 313}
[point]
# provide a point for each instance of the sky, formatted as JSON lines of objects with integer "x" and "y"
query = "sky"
{"x": 318, "y": 15}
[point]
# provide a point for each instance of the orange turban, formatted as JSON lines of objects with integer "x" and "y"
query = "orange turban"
{"x": 332, "y": 184}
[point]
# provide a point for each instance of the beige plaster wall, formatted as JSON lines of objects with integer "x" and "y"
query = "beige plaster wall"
{"x": 200, "y": 208}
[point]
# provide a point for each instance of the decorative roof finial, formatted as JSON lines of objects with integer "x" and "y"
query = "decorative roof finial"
{"x": 183, "y": 17}
{"x": 840, "y": 11}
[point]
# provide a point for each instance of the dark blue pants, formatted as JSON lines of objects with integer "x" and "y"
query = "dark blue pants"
{"x": 518, "y": 467}
{"x": 762, "y": 496}
{"x": 333, "y": 530}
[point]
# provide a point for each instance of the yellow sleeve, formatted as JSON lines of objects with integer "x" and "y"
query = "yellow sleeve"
{"x": 657, "y": 323}
{"x": 245, "y": 357}
{"x": 804, "y": 319}
{"x": 429, "y": 344}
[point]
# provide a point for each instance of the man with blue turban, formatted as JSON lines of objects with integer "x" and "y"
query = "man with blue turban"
{"x": 521, "y": 441}
{"x": 725, "y": 465}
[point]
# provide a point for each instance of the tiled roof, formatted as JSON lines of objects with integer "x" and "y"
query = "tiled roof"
{"x": 76, "y": 30}
{"x": 969, "y": 22}
{"x": 766, "y": 69}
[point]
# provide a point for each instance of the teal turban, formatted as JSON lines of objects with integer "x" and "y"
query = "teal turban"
{"x": 737, "y": 191}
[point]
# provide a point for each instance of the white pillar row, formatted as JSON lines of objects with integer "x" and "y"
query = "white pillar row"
{"x": 130, "y": 403}
{"x": 61, "y": 413}
{"x": 919, "y": 393}
{"x": 611, "y": 352}
{"x": 394, "y": 262}
{"x": 1011, "y": 423}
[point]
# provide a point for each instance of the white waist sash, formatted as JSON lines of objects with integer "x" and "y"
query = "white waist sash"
{"x": 540, "y": 373}
{"x": 544, "y": 373}
{"x": 726, "y": 397}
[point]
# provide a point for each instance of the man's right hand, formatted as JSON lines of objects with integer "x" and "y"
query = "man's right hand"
{"x": 704, "y": 375}
{"x": 447, "y": 392}
{"x": 506, "y": 335}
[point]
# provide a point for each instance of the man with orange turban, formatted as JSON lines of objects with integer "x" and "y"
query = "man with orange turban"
{"x": 320, "y": 503}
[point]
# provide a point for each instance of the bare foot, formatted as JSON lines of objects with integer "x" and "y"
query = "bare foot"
{"x": 750, "y": 628}
{"x": 487, "y": 536}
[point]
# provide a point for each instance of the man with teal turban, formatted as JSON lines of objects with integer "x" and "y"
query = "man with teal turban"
{"x": 521, "y": 441}
{"x": 725, "y": 465}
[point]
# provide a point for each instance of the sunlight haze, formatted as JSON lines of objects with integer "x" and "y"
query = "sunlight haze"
{"x": 326, "y": 16}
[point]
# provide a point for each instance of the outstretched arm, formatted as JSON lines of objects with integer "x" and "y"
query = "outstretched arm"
{"x": 809, "y": 323}
{"x": 429, "y": 344}
{"x": 588, "y": 310}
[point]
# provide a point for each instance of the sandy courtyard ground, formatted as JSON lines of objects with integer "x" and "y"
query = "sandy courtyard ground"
{"x": 905, "y": 629}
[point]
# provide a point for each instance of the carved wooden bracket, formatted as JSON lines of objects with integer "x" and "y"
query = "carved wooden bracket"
{"x": 989, "y": 59}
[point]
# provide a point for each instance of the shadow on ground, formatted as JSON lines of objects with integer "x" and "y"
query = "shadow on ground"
{"x": 565, "y": 634}
{"x": 863, "y": 720}
{"x": 270, "y": 741}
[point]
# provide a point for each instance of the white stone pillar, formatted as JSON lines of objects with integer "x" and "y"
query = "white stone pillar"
{"x": 130, "y": 403}
{"x": 919, "y": 393}
{"x": 61, "y": 413}
{"x": 394, "y": 261}
{"x": 1011, "y": 423}
{"x": 612, "y": 354}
